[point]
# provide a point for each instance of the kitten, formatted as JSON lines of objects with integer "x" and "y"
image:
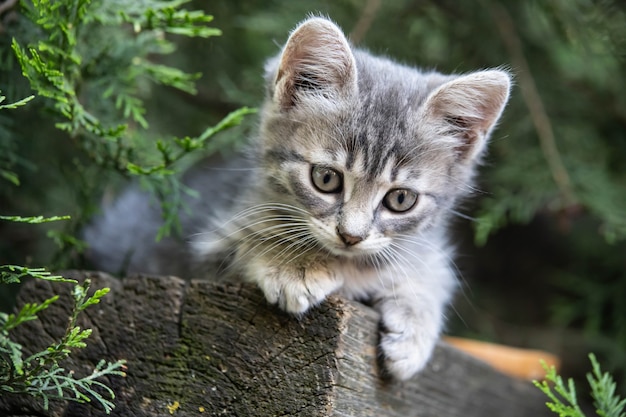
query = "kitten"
{"x": 347, "y": 189}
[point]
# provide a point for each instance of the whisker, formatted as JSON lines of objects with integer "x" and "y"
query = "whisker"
{"x": 288, "y": 242}
{"x": 461, "y": 215}
{"x": 376, "y": 263}
{"x": 254, "y": 211}
{"x": 410, "y": 281}
{"x": 439, "y": 251}
{"x": 304, "y": 245}
{"x": 397, "y": 248}
{"x": 278, "y": 240}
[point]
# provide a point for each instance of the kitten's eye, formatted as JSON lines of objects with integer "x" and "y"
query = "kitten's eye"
{"x": 326, "y": 180}
{"x": 400, "y": 200}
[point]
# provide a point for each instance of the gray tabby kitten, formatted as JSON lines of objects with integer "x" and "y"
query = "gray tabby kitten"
{"x": 347, "y": 190}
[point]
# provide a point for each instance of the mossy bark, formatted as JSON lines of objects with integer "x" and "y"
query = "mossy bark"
{"x": 199, "y": 348}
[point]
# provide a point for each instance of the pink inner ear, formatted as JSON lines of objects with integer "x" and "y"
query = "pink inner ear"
{"x": 468, "y": 107}
{"x": 317, "y": 57}
{"x": 467, "y": 133}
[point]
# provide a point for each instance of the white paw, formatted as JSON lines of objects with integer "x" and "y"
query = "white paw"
{"x": 404, "y": 356}
{"x": 295, "y": 291}
{"x": 407, "y": 343}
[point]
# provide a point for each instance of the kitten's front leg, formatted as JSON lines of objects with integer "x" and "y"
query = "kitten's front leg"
{"x": 408, "y": 336}
{"x": 295, "y": 288}
{"x": 411, "y": 322}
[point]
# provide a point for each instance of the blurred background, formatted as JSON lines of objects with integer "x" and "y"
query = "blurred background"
{"x": 543, "y": 260}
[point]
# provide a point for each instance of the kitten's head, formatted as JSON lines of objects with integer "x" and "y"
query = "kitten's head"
{"x": 371, "y": 149}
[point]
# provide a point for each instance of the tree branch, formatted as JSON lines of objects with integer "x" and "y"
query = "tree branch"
{"x": 534, "y": 103}
{"x": 365, "y": 21}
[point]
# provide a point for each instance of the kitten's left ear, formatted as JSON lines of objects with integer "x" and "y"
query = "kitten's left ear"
{"x": 316, "y": 61}
{"x": 467, "y": 108}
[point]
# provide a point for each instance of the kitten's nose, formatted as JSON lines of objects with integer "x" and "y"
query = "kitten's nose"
{"x": 347, "y": 238}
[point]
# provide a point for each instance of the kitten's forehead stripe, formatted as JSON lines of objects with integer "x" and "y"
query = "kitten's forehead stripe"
{"x": 394, "y": 172}
{"x": 393, "y": 154}
{"x": 377, "y": 154}
{"x": 358, "y": 150}
{"x": 382, "y": 125}
{"x": 351, "y": 151}
{"x": 283, "y": 154}
{"x": 376, "y": 164}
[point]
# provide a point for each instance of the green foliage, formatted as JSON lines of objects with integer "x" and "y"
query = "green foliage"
{"x": 58, "y": 383}
{"x": 27, "y": 313}
{"x": 94, "y": 62}
{"x": 583, "y": 43}
{"x": 41, "y": 374}
{"x": 603, "y": 391}
{"x": 15, "y": 105}
{"x": 93, "y": 65}
{"x": 6, "y": 161}
{"x": 164, "y": 15}
{"x": 34, "y": 219}
{"x": 563, "y": 395}
{"x": 57, "y": 66}
{"x": 182, "y": 146}
{"x": 13, "y": 274}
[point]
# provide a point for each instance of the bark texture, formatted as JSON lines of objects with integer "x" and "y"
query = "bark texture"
{"x": 204, "y": 349}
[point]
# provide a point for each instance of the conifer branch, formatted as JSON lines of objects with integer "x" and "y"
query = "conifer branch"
{"x": 41, "y": 374}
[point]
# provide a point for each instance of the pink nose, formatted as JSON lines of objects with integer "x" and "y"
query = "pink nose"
{"x": 348, "y": 238}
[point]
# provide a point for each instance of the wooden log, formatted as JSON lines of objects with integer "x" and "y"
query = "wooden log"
{"x": 199, "y": 348}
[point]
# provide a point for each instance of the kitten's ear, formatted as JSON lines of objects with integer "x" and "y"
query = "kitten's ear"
{"x": 316, "y": 60}
{"x": 467, "y": 108}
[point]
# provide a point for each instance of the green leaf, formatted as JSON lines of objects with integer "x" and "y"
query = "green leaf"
{"x": 562, "y": 395}
{"x": 11, "y": 355}
{"x": 173, "y": 77}
{"x": 75, "y": 338}
{"x": 10, "y": 274}
{"x": 35, "y": 219}
{"x": 16, "y": 104}
{"x": 94, "y": 299}
{"x": 27, "y": 313}
{"x": 234, "y": 118}
{"x": 64, "y": 68}
{"x": 603, "y": 392}
{"x": 10, "y": 176}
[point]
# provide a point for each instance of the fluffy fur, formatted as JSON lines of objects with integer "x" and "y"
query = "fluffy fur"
{"x": 347, "y": 189}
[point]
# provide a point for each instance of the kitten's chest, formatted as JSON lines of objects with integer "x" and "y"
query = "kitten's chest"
{"x": 359, "y": 281}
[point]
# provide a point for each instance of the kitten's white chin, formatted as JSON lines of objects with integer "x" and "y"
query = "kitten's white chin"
{"x": 345, "y": 253}
{"x": 350, "y": 252}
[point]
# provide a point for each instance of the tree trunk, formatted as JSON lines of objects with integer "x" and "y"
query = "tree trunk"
{"x": 199, "y": 348}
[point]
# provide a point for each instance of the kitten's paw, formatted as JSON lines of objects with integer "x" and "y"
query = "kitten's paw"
{"x": 405, "y": 347}
{"x": 403, "y": 356}
{"x": 297, "y": 292}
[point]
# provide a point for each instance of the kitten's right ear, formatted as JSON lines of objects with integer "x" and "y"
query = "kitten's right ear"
{"x": 317, "y": 60}
{"x": 466, "y": 109}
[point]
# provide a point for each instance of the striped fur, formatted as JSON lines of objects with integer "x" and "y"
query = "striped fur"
{"x": 378, "y": 135}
